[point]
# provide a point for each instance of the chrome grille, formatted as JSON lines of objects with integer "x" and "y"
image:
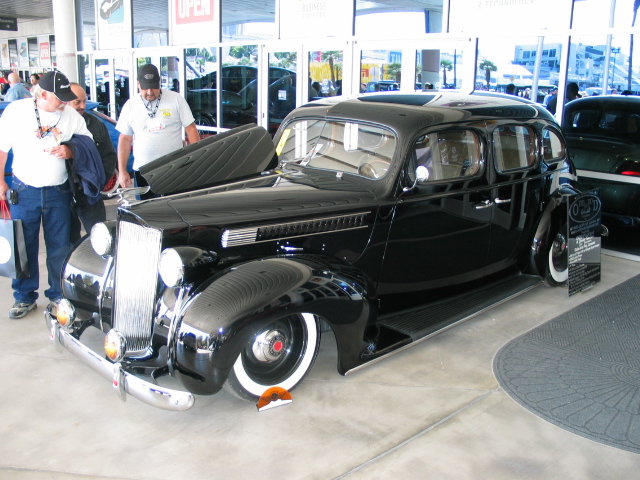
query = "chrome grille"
{"x": 136, "y": 278}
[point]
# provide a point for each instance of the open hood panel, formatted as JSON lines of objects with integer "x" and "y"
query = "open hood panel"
{"x": 239, "y": 152}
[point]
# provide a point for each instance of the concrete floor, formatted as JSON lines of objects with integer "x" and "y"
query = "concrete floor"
{"x": 434, "y": 411}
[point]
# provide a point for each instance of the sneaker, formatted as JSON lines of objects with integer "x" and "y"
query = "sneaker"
{"x": 20, "y": 309}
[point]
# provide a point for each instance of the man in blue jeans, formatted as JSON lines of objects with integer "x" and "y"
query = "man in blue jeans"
{"x": 34, "y": 129}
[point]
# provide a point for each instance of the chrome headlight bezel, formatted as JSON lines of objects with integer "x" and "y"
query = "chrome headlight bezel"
{"x": 103, "y": 238}
{"x": 171, "y": 267}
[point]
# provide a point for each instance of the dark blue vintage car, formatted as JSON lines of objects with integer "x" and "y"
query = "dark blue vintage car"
{"x": 388, "y": 218}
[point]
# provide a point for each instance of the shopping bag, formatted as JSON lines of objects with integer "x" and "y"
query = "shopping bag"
{"x": 13, "y": 252}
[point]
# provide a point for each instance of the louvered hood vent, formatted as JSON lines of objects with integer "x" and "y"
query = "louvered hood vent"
{"x": 262, "y": 233}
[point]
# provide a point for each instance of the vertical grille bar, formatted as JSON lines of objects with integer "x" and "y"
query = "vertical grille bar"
{"x": 136, "y": 278}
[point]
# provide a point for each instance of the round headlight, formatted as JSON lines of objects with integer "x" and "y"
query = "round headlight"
{"x": 115, "y": 345}
{"x": 101, "y": 239}
{"x": 171, "y": 268}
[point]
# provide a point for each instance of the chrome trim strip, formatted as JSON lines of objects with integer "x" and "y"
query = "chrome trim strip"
{"x": 147, "y": 392}
{"x": 234, "y": 237}
{"x": 609, "y": 176}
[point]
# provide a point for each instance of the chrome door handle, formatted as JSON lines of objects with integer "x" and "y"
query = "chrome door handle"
{"x": 503, "y": 200}
{"x": 483, "y": 204}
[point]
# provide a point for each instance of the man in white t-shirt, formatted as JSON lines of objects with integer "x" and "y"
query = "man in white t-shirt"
{"x": 34, "y": 129}
{"x": 153, "y": 123}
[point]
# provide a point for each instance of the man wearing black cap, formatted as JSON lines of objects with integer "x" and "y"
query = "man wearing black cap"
{"x": 34, "y": 129}
{"x": 153, "y": 123}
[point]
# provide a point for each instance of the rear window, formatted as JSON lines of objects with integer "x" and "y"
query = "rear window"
{"x": 513, "y": 147}
{"x": 553, "y": 147}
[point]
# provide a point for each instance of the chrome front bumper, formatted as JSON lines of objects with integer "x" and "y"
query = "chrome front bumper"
{"x": 123, "y": 382}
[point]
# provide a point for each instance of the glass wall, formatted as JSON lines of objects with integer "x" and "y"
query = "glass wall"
{"x": 405, "y": 45}
{"x": 248, "y": 21}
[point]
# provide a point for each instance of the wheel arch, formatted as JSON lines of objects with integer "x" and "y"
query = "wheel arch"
{"x": 552, "y": 219}
{"x": 225, "y": 313}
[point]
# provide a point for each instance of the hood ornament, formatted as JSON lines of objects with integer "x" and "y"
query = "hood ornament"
{"x": 126, "y": 196}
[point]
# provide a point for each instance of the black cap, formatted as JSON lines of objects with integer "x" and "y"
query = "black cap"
{"x": 58, "y": 83}
{"x": 148, "y": 77}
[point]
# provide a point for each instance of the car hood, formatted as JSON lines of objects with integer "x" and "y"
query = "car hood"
{"x": 275, "y": 197}
{"x": 233, "y": 154}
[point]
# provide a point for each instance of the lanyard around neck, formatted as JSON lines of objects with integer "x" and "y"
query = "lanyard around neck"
{"x": 43, "y": 132}
{"x": 152, "y": 112}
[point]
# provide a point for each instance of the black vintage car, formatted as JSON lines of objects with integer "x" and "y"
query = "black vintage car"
{"x": 603, "y": 138}
{"x": 388, "y": 218}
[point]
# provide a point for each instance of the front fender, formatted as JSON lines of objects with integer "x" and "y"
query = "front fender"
{"x": 226, "y": 313}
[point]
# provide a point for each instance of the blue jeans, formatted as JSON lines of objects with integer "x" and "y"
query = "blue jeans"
{"x": 50, "y": 206}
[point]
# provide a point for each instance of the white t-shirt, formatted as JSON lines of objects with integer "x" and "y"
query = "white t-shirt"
{"x": 32, "y": 162}
{"x": 157, "y": 136}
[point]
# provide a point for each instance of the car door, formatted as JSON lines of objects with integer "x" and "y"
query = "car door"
{"x": 516, "y": 188}
{"x": 439, "y": 235}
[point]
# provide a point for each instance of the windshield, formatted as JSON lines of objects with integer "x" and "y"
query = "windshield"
{"x": 346, "y": 147}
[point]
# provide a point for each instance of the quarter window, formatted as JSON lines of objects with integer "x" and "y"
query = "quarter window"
{"x": 447, "y": 155}
{"x": 553, "y": 147}
{"x": 513, "y": 147}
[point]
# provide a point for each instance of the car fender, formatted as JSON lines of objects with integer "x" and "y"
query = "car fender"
{"x": 552, "y": 219}
{"x": 218, "y": 320}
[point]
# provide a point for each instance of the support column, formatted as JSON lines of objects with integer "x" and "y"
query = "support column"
{"x": 64, "y": 26}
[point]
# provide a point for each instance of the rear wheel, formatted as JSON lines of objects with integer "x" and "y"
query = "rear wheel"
{"x": 557, "y": 271}
{"x": 277, "y": 356}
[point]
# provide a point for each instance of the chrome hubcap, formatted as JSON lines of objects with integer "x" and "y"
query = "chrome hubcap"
{"x": 269, "y": 346}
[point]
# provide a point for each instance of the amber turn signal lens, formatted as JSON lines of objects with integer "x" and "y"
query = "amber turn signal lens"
{"x": 114, "y": 345}
{"x": 65, "y": 312}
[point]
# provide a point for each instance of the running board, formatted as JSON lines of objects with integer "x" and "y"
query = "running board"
{"x": 419, "y": 324}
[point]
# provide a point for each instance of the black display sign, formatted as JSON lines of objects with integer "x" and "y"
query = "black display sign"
{"x": 10, "y": 24}
{"x": 585, "y": 241}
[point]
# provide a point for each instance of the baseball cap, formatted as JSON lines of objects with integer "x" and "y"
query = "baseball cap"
{"x": 148, "y": 77}
{"x": 58, "y": 83}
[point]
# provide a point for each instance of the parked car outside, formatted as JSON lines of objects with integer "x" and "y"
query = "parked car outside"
{"x": 388, "y": 219}
{"x": 112, "y": 183}
{"x": 603, "y": 138}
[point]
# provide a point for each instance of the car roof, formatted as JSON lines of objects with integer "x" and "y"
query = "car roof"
{"x": 409, "y": 111}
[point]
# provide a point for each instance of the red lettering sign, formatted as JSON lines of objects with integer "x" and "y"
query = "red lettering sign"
{"x": 193, "y": 11}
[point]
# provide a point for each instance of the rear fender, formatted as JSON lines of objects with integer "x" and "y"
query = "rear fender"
{"x": 553, "y": 218}
{"x": 220, "y": 318}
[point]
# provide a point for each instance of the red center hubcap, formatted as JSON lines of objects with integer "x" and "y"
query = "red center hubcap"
{"x": 277, "y": 346}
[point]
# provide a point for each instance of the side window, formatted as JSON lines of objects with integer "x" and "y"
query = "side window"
{"x": 447, "y": 155}
{"x": 553, "y": 147}
{"x": 513, "y": 147}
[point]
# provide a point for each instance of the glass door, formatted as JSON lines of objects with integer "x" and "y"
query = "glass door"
{"x": 328, "y": 69}
{"x": 110, "y": 86}
{"x": 280, "y": 89}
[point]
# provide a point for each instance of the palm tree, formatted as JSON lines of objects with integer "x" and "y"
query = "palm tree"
{"x": 331, "y": 56}
{"x": 488, "y": 66}
{"x": 446, "y": 66}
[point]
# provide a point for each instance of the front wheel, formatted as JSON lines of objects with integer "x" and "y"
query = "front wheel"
{"x": 557, "y": 271}
{"x": 277, "y": 356}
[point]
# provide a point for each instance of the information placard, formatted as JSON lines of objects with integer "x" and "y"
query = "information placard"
{"x": 585, "y": 241}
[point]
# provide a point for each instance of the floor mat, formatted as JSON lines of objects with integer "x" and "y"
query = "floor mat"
{"x": 581, "y": 370}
